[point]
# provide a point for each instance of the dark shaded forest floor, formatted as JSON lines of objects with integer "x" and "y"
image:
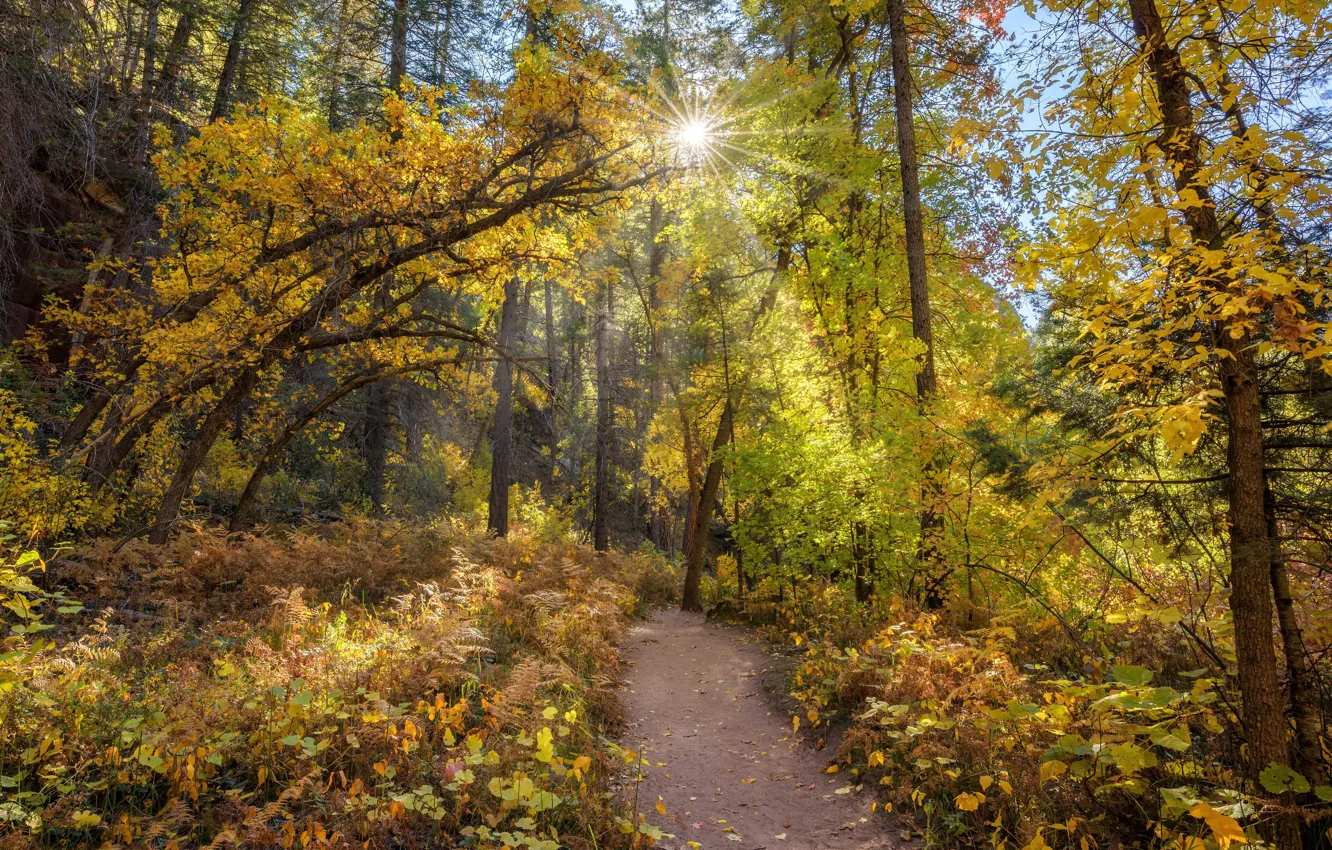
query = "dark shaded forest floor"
{"x": 725, "y": 762}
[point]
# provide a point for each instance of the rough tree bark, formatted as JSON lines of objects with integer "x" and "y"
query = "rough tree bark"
{"x": 501, "y": 439}
{"x": 601, "y": 489}
{"x": 659, "y": 524}
{"x": 707, "y": 503}
{"x": 379, "y": 402}
{"x": 175, "y": 54}
{"x": 696, "y": 549}
{"x": 692, "y": 465}
{"x": 231, "y": 65}
{"x": 931, "y": 520}
{"x": 1300, "y": 679}
{"x": 382, "y": 396}
{"x": 196, "y": 451}
{"x": 1251, "y": 549}
{"x": 552, "y": 379}
{"x": 149, "y": 86}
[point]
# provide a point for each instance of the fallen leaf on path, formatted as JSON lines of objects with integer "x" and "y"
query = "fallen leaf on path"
{"x": 780, "y": 836}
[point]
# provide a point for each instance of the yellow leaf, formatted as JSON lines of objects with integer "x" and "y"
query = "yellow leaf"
{"x": 986, "y": 782}
{"x": 875, "y": 759}
{"x": 967, "y": 802}
{"x": 1037, "y": 843}
{"x": 84, "y": 819}
{"x": 661, "y": 806}
{"x": 1052, "y": 768}
{"x": 1224, "y": 829}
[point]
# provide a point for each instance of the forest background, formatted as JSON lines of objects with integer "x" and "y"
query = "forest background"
{"x": 989, "y": 373}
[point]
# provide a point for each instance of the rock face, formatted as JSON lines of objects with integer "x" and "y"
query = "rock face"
{"x": 64, "y": 175}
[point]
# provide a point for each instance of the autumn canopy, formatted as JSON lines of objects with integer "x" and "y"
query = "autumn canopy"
{"x": 368, "y": 366}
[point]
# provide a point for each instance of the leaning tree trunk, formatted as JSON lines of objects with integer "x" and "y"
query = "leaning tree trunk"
{"x": 1251, "y": 552}
{"x": 244, "y": 507}
{"x": 707, "y": 503}
{"x": 197, "y": 451}
{"x": 501, "y": 440}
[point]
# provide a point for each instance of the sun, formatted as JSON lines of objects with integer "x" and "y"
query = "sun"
{"x": 695, "y": 129}
{"x": 694, "y": 135}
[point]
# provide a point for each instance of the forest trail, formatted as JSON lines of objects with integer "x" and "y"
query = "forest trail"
{"x": 694, "y": 701}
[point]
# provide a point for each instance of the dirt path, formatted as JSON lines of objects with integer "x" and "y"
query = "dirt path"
{"x": 695, "y": 703}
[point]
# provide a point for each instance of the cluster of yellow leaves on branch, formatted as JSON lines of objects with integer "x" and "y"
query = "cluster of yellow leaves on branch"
{"x": 286, "y": 243}
{"x": 1161, "y": 298}
{"x": 968, "y": 737}
{"x": 372, "y": 708}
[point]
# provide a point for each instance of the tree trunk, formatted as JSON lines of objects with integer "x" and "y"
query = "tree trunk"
{"x": 707, "y": 503}
{"x": 691, "y": 474}
{"x": 114, "y": 446}
{"x": 1251, "y": 552}
{"x": 552, "y": 378}
{"x": 382, "y": 396}
{"x": 659, "y": 523}
{"x": 378, "y": 424}
{"x": 601, "y": 489}
{"x": 931, "y": 520}
{"x": 241, "y": 516}
{"x": 1299, "y": 676}
{"x": 501, "y": 440}
{"x": 334, "y": 109}
{"x": 175, "y": 54}
{"x": 197, "y": 451}
{"x": 83, "y": 420}
{"x": 440, "y": 61}
{"x": 862, "y": 560}
{"x": 230, "y": 66}
{"x": 148, "y": 87}
{"x": 398, "y": 47}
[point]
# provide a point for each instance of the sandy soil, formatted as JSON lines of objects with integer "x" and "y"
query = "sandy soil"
{"x": 694, "y": 702}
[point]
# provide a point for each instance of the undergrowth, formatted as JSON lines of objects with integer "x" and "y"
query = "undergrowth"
{"x": 364, "y": 684}
{"x": 1015, "y": 735}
